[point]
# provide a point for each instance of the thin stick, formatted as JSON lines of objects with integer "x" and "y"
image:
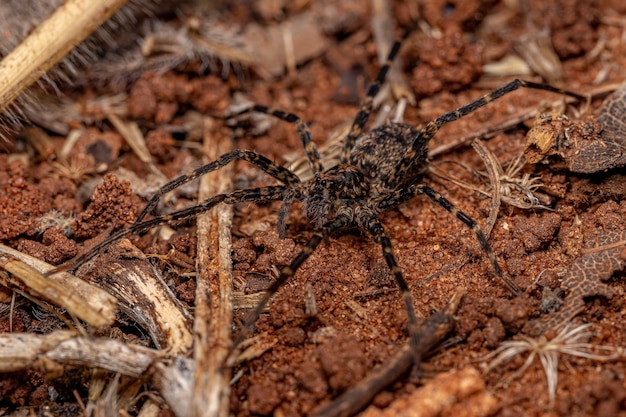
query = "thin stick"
{"x": 143, "y": 295}
{"x": 72, "y": 22}
{"x": 21, "y": 351}
{"x": 214, "y": 298}
{"x": 431, "y": 334}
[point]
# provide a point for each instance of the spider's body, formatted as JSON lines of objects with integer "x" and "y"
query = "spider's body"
{"x": 377, "y": 170}
{"x": 367, "y": 178}
{"x": 333, "y": 193}
{"x": 378, "y": 153}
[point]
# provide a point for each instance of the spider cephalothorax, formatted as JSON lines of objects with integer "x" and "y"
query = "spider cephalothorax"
{"x": 334, "y": 192}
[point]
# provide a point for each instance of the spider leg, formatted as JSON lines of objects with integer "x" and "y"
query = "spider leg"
{"x": 280, "y": 173}
{"x": 433, "y": 127}
{"x": 366, "y": 106}
{"x": 368, "y": 221}
{"x": 238, "y": 196}
{"x": 289, "y": 271}
{"x": 405, "y": 194}
{"x": 283, "y": 213}
{"x": 310, "y": 147}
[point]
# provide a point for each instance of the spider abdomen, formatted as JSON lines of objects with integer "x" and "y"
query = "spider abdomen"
{"x": 378, "y": 153}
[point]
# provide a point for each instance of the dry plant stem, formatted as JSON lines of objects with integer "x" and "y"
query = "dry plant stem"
{"x": 432, "y": 332}
{"x": 493, "y": 169}
{"x": 50, "y": 353}
{"x": 214, "y": 299}
{"x": 73, "y": 21}
{"x": 174, "y": 381}
{"x": 81, "y": 299}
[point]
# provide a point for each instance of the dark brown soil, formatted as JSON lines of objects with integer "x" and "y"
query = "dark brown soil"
{"x": 360, "y": 321}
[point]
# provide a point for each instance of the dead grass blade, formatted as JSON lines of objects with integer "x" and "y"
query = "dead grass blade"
{"x": 569, "y": 340}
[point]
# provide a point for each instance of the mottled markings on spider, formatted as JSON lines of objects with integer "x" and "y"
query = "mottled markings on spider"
{"x": 377, "y": 171}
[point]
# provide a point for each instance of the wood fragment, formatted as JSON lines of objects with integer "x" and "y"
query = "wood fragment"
{"x": 132, "y": 135}
{"x": 446, "y": 394}
{"x": 242, "y": 301}
{"x": 508, "y": 66}
{"x": 81, "y": 299}
{"x": 143, "y": 295}
{"x": 174, "y": 381}
{"x": 51, "y": 352}
{"x": 255, "y": 346}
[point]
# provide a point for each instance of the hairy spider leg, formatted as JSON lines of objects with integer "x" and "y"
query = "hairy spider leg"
{"x": 402, "y": 195}
{"x": 308, "y": 143}
{"x": 270, "y": 193}
{"x": 427, "y": 133}
{"x": 289, "y": 271}
{"x": 369, "y": 222}
{"x": 283, "y": 214}
{"x": 368, "y": 102}
{"x": 310, "y": 149}
{"x": 280, "y": 173}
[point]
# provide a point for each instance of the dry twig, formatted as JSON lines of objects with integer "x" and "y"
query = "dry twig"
{"x": 50, "y": 353}
{"x": 79, "y": 298}
{"x": 432, "y": 332}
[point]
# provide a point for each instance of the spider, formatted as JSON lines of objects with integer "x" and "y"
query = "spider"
{"x": 377, "y": 170}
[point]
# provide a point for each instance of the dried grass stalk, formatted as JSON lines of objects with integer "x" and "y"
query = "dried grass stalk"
{"x": 74, "y": 21}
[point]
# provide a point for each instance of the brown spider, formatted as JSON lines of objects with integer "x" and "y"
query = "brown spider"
{"x": 377, "y": 170}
